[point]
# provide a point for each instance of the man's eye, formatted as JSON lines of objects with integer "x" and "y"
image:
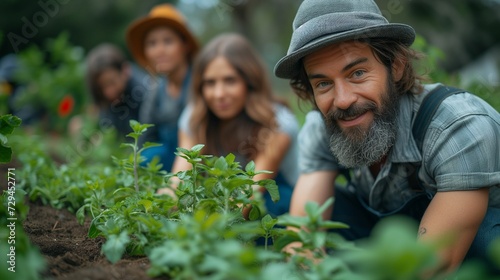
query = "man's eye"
{"x": 358, "y": 73}
{"x": 322, "y": 84}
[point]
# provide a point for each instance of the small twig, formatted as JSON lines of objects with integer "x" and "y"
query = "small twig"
{"x": 55, "y": 225}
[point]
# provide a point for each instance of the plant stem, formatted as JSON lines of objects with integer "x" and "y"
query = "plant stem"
{"x": 226, "y": 200}
{"x": 195, "y": 177}
{"x": 265, "y": 241}
{"x": 136, "y": 177}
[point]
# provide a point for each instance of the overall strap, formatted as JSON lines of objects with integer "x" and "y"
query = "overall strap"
{"x": 186, "y": 87}
{"x": 424, "y": 117}
{"x": 427, "y": 110}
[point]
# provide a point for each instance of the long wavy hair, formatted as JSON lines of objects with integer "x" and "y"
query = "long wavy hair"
{"x": 244, "y": 135}
{"x": 387, "y": 52}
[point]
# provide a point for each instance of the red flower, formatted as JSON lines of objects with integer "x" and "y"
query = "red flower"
{"x": 66, "y": 106}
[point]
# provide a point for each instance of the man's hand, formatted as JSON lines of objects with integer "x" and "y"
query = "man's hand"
{"x": 167, "y": 191}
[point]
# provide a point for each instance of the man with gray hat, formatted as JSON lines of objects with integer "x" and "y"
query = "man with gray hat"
{"x": 439, "y": 164}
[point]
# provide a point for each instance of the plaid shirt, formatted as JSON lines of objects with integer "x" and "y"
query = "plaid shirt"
{"x": 461, "y": 151}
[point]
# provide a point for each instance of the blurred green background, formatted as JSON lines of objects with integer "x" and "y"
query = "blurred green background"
{"x": 460, "y": 37}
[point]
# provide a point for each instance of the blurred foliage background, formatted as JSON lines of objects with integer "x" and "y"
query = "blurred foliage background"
{"x": 53, "y": 36}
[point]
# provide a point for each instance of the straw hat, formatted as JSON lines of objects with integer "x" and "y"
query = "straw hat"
{"x": 160, "y": 15}
{"x": 320, "y": 23}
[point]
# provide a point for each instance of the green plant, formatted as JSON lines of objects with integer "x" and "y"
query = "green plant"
{"x": 218, "y": 184}
{"x": 139, "y": 220}
{"x": 404, "y": 257}
{"x": 311, "y": 231}
{"x": 495, "y": 252}
{"x": 429, "y": 65}
{"x": 203, "y": 235}
{"x": 52, "y": 81}
{"x": 22, "y": 260}
{"x": 132, "y": 224}
{"x": 7, "y": 125}
{"x": 138, "y": 130}
{"x": 203, "y": 246}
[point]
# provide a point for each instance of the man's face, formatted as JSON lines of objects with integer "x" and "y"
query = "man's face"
{"x": 356, "y": 95}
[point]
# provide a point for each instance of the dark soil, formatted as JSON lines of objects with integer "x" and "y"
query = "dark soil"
{"x": 70, "y": 254}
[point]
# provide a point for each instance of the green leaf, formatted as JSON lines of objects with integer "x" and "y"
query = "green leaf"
{"x": 3, "y": 140}
{"x": 318, "y": 239}
{"x": 333, "y": 225}
{"x": 8, "y": 123}
{"x": 293, "y": 221}
{"x": 208, "y": 205}
{"x": 115, "y": 246}
{"x": 182, "y": 151}
{"x": 238, "y": 182}
{"x": 93, "y": 231}
{"x": 254, "y": 213}
{"x": 148, "y": 204}
{"x": 494, "y": 251}
{"x": 311, "y": 209}
{"x": 5, "y": 154}
{"x": 325, "y": 205}
{"x": 221, "y": 164}
{"x": 271, "y": 188}
{"x": 80, "y": 214}
{"x": 230, "y": 159}
{"x": 124, "y": 145}
{"x": 197, "y": 148}
{"x": 250, "y": 167}
{"x": 268, "y": 222}
{"x": 134, "y": 135}
{"x": 186, "y": 200}
{"x": 138, "y": 128}
{"x": 150, "y": 144}
{"x": 283, "y": 241}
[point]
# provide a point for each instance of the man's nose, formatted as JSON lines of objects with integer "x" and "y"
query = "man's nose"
{"x": 344, "y": 96}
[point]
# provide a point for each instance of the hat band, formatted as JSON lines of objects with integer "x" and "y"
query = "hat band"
{"x": 330, "y": 24}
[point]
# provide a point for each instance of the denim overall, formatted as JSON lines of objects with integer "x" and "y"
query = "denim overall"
{"x": 167, "y": 132}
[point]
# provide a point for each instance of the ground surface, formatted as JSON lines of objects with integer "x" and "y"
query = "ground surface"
{"x": 70, "y": 254}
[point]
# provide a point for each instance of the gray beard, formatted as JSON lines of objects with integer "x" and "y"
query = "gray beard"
{"x": 358, "y": 147}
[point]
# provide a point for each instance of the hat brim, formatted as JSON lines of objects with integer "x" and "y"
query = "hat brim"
{"x": 288, "y": 67}
{"x": 137, "y": 31}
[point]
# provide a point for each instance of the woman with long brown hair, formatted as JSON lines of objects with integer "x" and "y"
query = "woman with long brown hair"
{"x": 233, "y": 110}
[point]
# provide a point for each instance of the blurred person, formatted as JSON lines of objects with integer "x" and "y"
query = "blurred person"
{"x": 356, "y": 69}
{"x": 117, "y": 89}
{"x": 162, "y": 43}
{"x": 233, "y": 110}
{"x": 11, "y": 92}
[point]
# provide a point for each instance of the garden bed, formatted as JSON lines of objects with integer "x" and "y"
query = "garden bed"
{"x": 69, "y": 253}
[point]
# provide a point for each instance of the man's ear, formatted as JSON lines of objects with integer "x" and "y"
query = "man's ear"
{"x": 398, "y": 67}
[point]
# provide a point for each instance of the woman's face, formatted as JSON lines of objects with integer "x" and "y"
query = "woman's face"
{"x": 112, "y": 83}
{"x": 223, "y": 89}
{"x": 164, "y": 49}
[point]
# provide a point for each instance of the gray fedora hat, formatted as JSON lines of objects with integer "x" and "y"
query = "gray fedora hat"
{"x": 320, "y": 23}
